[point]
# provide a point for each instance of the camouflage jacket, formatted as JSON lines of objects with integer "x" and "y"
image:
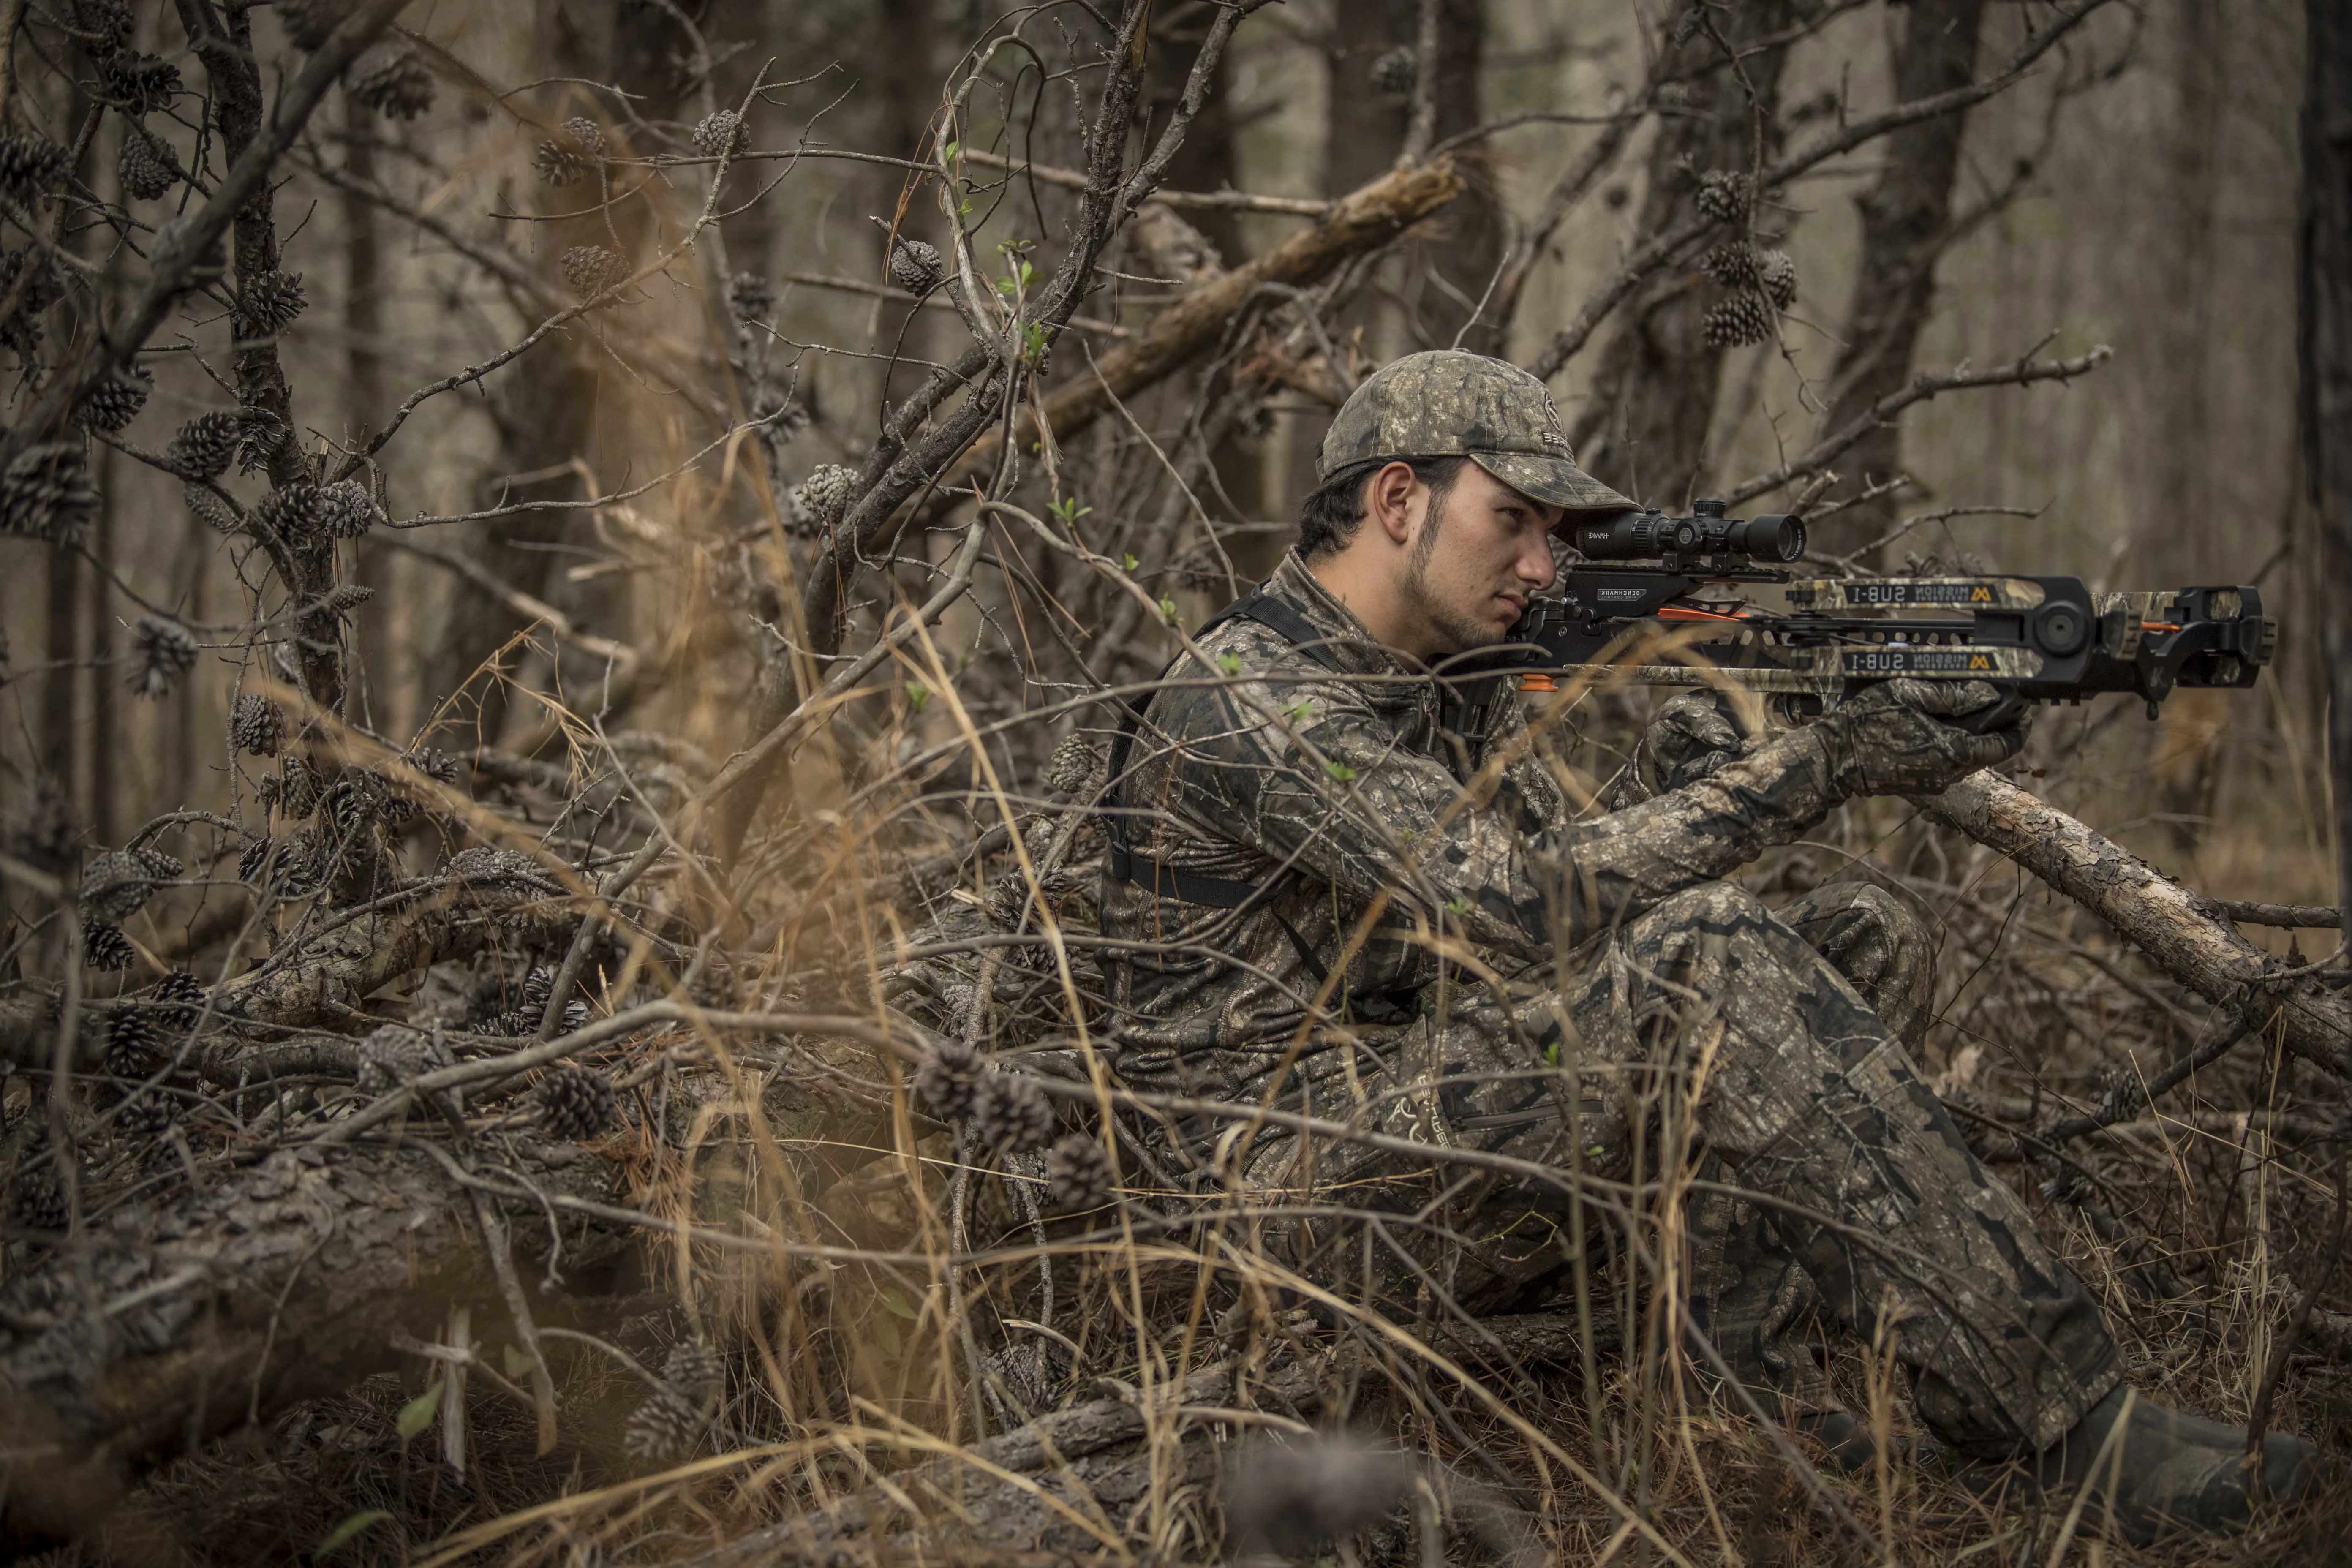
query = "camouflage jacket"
{"x": 1356, "y": 792}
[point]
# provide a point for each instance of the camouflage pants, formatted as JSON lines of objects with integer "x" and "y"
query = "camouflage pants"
{"x": 1762, "y": 1052}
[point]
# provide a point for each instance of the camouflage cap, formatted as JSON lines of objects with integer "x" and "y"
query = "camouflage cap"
{"x": 1450, "y": 402}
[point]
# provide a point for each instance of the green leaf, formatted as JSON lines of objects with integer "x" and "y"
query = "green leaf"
{"x": 1457, "y": 906}
{"x": 418, "y": 1413}
{"x": 353, "y": 1526}
{"x": 519, "y": 1360}
{"x": 888, "y": 1333}
{"x": 947, "y": 153}
{"x": 1551, "y": 1053}
{"x": 919, "y": 696}
{"x": 898, "y": 1304}
{"x": 963, "y": 207}
{"x": 1129, "y": 561}
{"x": 1168, "y": 609}
{"x": 1229, "y": 663}
{"x": 1340, "y": 771}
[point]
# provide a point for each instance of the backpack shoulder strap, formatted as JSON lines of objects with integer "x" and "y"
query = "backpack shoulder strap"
{"x": 1120, "y": 862}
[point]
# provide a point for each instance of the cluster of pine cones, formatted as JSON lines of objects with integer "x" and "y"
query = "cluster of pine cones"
{"x": 1757, "y": 282}
{"x": 1007, "y": 1110}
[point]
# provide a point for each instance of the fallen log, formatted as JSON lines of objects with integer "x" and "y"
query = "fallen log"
{"x": 163, "y": 1324}
{"x": 2182, "y": 933}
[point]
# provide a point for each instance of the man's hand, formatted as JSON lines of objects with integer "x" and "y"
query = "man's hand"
{"x": 1895, "y": 738}
{"x": 1691, "y": 737}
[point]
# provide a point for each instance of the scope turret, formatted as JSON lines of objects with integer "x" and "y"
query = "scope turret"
{"x": 1651, "y": 536}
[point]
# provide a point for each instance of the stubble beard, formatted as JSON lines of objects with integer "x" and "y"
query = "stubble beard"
{"x": 1459, "y": 631}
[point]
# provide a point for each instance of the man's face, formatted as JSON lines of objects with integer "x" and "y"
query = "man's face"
{"x": 1476, "y": 560}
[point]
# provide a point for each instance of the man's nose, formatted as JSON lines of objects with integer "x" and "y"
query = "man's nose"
{"x": 1536, "y": 567}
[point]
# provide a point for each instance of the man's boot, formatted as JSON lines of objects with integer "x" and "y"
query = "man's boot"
{"x": 2163, "y": 1471}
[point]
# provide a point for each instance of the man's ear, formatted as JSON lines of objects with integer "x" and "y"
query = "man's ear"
{"x": 1388, "y": 497}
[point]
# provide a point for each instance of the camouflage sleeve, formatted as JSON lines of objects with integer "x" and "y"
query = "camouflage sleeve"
{"x": 1333, "y": 792}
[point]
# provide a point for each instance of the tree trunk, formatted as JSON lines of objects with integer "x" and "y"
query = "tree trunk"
{"x": 1654, "y": 398}
{"x": 1364, "y": 132}
{"x": 2326, "y": 379}
{"x": 1905, "y": 218}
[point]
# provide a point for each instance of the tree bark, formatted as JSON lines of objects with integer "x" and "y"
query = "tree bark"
{"x": 1654, "y": 398}
{"x": 1904, "y": 218}
{"x": 284, "y": 1282}
{"x": 2326, "y": 379}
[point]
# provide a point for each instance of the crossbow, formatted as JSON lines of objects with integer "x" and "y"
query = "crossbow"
{"x": 2036, "y": 638}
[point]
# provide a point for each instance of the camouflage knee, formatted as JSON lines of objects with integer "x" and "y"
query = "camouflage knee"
{"x": 1881, "y": 946}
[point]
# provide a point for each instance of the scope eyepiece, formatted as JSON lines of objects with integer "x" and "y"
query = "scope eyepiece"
{"x": 1651, "y": 536}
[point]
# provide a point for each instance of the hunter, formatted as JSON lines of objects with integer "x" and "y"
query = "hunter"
{"x": 1340, "y": 883}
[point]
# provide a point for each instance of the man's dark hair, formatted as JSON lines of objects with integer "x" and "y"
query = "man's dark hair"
{"x": 1328, "y": 518}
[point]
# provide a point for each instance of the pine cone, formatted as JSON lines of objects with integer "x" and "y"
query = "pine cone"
{"x": 948, "y": 1078}
{"x": 345, "y": 509}
{"x": 1078, "y": 1174}
{"x": 115, "y": 885}
{"x": 206, "y": 444}
{"x": 147, "y": 1110}
{"x": 159, "y": 865}
{"x": 393, "y": 1054}
{"x": 1009, "y": 1111}
{"x": 438, "y": 765}
{"x": 779, "y": 416}
{"x": 264, "y": 431}
{"x": 694, "y": 1370}
{"x": 207, "y": 507}
{"x": 750, "y": 298}
{"x": 587, "y": 133}
{"x": 297, "y": 786}
{"x": 666, "y": 1426}
{"x": 104, "y": 25}
{"x": 116, "y": 401}
{"x": 1732, "y": 264}
{"x": 268, "y": 305}
{"x": 352, "y": 802}
{"x": 823, "y": 496}
{"x": 256, "y": 726}
{"x": 308, "y": 22}
{"x": 30, "y": 165}
{"x": 722, "y": 133}
{"x": 137, "y": 84}
{"x": 575, "y": 1103}
{"x": 1723, "y": 196}
{"x": 22, "y": 329}
{"x": 392, "y": 78}
{"x": 1073, "y": 765}
{"x": 105, "y": 947}
{"x": 590, "y": 270}
{"x": 1776, "y": 272}
{"x": 135, "y": 1041}
{"x": 1396, "y": 71}
{"x": 44, "y": 833}
{"x": 254, "y": 861}
{"x": 37, "y": 1199}
{"x": 917, "y": 266}
{"x": 288, "y": 867}
{"x": 1744, "y": 318}
{"x": 46, "y": 494}
{"x": 558, "y": 162}
{"x": 164, "y": 650}
{"x": 292, "y": 512}
{"x": 149, "y": 167}
{"x": 178, "y": 1001}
